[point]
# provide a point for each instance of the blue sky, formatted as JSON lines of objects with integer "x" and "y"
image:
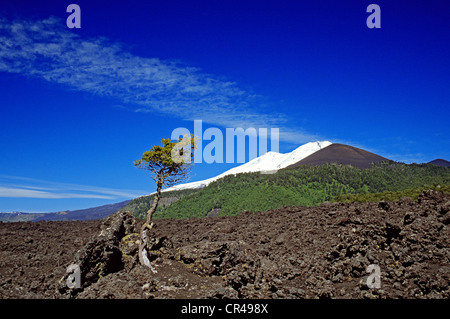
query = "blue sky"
{"x": 78, "y": 106}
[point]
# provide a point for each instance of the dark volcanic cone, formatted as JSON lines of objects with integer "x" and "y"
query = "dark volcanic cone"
{"x": 440, "y": 162}
{"x": 341, "y": 154}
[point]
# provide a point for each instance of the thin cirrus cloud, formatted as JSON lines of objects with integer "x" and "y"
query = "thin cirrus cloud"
{"x": 23, "y": 187}
{"x": 46, "y": 49}
{"x": 14, "y": 192}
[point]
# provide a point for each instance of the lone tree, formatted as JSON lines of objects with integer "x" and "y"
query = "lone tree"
{"x": 168, "y": 164}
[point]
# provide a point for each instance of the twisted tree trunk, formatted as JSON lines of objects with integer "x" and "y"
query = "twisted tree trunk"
{"x": 143, "y": 257}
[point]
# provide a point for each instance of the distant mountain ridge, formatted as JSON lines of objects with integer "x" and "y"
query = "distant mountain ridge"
{"x": 19, "y": 216}
{"x": 92, "y": 213}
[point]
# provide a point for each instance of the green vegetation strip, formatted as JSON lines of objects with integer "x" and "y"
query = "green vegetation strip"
{"x": 390, "y": 196}
{"x": 301, "y": 186}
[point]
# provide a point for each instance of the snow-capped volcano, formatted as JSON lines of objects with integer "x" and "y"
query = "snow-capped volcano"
{"x": 267, "y": 163}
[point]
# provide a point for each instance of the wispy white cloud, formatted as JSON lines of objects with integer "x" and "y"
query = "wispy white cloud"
{"x": 46, "y": 49}
{"x": 13, "y": 192}
{"x": 23, "y": 187}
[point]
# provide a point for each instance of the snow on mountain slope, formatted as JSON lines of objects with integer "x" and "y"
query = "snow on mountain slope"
{"x": 301, "y": 152}
{"x": 266, "y": 163}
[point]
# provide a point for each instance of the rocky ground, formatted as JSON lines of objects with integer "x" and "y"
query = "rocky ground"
{"x": 291, "y": 252}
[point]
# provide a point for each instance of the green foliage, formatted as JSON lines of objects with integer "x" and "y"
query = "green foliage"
{"x": 169, "y": 163}
{"x": 390, "y": 196}
{"x": 301, "y": 186}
